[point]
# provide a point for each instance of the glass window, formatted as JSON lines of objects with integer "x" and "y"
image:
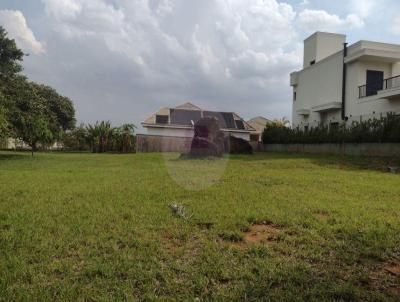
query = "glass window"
{"x": 161, "y": 119}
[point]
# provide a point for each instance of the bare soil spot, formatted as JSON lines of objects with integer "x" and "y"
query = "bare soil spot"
{"x": 259, "y": 233}
{"x": 170, "y": 244}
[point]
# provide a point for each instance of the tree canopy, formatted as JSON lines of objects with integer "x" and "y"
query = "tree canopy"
{"x": 10, "y": 55}
{"x": 32, "y": 112}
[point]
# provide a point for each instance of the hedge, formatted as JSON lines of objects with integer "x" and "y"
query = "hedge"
{"x": 382, "y": 130}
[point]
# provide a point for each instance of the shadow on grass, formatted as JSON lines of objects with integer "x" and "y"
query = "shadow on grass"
{"x": 12, "y": 156}
{"x": 341, "y": 162}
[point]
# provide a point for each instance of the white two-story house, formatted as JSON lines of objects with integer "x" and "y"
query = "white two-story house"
{"x": 345, "y": 83}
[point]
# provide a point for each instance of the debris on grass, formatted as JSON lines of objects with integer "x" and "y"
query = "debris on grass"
{"x": 180, "y": 211}
{"x": 394, "y": 269}
{"x": 393, "y": 170}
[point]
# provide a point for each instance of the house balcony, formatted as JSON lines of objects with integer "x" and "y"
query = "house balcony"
{"x": 332, "y": 106}
{"x": 386, "y": 89}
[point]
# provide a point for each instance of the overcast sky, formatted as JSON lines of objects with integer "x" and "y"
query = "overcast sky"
{"x": 120, "y": 60}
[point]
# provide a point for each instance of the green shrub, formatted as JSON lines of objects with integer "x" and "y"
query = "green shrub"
{"x": 382, "y": 130}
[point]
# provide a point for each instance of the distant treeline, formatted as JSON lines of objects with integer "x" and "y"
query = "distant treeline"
{"x": 39, "y": 116}
{"x": 376, "y": 130}
{"x": 100, "y": 137}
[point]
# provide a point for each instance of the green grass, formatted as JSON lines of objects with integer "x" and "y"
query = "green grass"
{"x": 98, "y": 227}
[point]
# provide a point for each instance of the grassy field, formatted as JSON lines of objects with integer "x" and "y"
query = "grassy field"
{"x": 264, "y": 227}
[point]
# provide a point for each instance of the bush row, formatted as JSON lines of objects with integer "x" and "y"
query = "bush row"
{"x": 382, "y": 130}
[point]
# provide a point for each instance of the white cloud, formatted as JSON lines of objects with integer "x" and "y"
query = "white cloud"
{"x": 15, "y": 24}
{"x": 216, "y": 52}
{"x": 364, "y": 8}
{"x": 320, "y": 20}
{"x": 395, "y": 25}
{"x": 62, "y": 9}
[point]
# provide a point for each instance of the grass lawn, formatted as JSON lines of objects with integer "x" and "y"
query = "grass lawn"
{"x": 264, "y": 227}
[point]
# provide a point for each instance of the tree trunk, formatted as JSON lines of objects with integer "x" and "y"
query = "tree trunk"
{"x": 33, "y": 148}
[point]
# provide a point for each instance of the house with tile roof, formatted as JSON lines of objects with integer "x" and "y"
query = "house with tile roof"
{"x": 179, "y": 122}
{"x": 258, "y": 123}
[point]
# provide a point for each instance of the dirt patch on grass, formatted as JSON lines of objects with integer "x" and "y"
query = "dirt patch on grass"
{"x": 322, "y": 215}
{"x": 260, "y": 233}
{"x": 170, "y": 244}
{"x": 386, "y": 277}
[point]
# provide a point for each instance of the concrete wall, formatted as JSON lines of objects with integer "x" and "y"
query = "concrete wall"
{"x": 154, "y": 143}
{"x": 365, "y": 149}
{"x": 17, "y": 144}
{"x": 157, "y": 143}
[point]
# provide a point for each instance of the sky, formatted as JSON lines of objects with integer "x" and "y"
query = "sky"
{"x": 121, "y": 60}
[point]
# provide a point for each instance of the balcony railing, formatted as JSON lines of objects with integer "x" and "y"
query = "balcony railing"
{"x": 372, "y": 89}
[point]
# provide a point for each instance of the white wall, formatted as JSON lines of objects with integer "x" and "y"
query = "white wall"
{"x": 170, "y": 132}
{"x": 322, "y": 45}
{"x": 317, "y": 85}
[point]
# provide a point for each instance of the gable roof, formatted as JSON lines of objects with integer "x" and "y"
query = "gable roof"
{"x": 188, "y": 106}
{"x": 186, "y": 115}
{"x": 258, "y": 123}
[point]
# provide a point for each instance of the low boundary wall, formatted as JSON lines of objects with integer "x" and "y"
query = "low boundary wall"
{"x": 363, "y": 149}
{"x": 156, "y": 143}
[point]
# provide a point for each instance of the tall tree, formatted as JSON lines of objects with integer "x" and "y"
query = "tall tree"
{"x": 3, "y": 123}
{"x": 34, "y": 113}
{"x": 10, "y": 64}
{"x": 60, "y": 109}
{"x": 99, "y": 135}
{"x": 28, "y": 113}
{"x": 10, "y": 55}
{"x": 124, "y": 137}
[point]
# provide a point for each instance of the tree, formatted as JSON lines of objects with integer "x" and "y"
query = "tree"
{"x": 3, "y": 123}
{"x": 124, "y": 137}
{"x": 34, "y": 113}
{"x": 34, "y": 129}
{"x": 60, "y": 107}
{"x": 76, "y": 139}
{"x": 10, "y": 56}
{"x": 282, "y": 122}
{"x": 99, "y": 135}
{"x": 28, "y": 113}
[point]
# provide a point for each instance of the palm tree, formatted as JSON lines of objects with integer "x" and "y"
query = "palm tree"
{"x": 124, "y": 137}
{"x": 282, "y": 122}
{"x": 99, "y": 135}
